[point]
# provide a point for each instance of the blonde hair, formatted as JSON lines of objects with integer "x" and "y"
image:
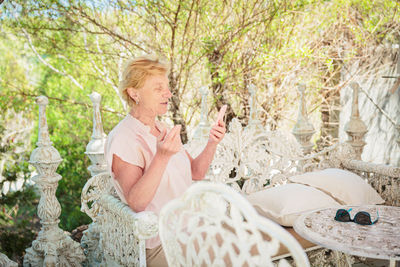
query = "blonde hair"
{"x": 135, "y": 73}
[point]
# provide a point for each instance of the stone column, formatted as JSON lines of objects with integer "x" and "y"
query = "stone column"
{"x": 355, "y": 127}
{"x": 303, "y": 129}
{"x": 52, "y": 246}
{"x": 203, "y": 129}
{"x": 95, "y": 148}
{"x": 254, "y": 121}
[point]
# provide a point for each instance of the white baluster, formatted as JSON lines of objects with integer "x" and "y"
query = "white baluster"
{"x": 303, "y": 129}
{"x": 355, "y": 127}
{"x": 95, "y": 148}
{"x": 52, "y": 246}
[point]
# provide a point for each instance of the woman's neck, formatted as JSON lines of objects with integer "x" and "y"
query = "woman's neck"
{"x": 146, "y": 120}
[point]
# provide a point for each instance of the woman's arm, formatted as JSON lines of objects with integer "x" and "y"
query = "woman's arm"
{"x": 202, "y": 162}
{"x": 140, "y": 187}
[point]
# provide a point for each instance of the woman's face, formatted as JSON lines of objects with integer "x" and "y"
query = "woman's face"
{"x": 154, "y": 95}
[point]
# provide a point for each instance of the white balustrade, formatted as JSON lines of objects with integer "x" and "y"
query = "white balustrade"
{"x": 52, "y": 246}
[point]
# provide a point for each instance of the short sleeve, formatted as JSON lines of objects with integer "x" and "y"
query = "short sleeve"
{"x": 127, "y": 149}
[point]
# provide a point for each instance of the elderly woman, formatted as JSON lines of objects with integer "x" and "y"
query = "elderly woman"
{"x": 146, "y": 159}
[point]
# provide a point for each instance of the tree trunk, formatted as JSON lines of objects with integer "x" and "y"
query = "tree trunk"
{"x": 176, "y": 113}
{"x": 217, "y": 87}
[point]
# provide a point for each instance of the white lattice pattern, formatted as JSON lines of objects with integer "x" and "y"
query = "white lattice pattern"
{"x": 213, "y": 225}
{"x": 94, "y": 188}
{"x": 123, "y": 232}
{"x": 245, "y": 158}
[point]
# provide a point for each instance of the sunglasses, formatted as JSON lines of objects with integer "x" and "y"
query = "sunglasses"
{"x": 361, "y": 217}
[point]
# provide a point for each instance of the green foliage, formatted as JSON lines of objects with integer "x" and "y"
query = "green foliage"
{"x": 18, "y": 220}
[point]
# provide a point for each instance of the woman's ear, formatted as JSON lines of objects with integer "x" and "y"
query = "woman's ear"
{"x": 132, "y": 94}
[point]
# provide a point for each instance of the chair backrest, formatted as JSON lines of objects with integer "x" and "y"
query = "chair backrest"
{"x": 250, "y": 160}
{"x": 213, "y": 225}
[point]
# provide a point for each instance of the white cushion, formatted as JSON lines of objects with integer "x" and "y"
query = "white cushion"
{"x": 285, "y": 203}
{"x": 344, "y": 186}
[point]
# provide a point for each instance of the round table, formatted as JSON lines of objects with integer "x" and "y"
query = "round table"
{"x": 380, "y": 240}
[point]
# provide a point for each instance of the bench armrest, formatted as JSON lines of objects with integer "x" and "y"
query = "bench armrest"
{"x": 123, "y": 232}
{"x": 385, "y": 179}
{"x": 379, "y": 169}
{"x": 143, "y": 225}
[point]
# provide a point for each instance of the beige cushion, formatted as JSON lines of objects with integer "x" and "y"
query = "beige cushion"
{"x": 285, "y": 203}
{"x": 344, "y": 186}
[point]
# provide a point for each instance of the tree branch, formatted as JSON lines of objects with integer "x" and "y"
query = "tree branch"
{"x": 48, "y": 64}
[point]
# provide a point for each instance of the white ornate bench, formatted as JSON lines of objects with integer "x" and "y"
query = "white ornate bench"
{"x": 248, "y": 159}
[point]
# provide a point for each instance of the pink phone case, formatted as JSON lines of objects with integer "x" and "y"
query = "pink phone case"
{"x": 221, "y": 113}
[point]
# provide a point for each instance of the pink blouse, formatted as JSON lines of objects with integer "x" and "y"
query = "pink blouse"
{"x": 132, "y": 142}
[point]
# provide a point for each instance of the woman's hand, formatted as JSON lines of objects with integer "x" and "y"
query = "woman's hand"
{"x": 169, "y": 144}
{"x": 217, "y": 132}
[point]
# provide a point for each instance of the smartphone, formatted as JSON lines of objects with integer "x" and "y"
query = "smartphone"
{"x": 221, "y": 114}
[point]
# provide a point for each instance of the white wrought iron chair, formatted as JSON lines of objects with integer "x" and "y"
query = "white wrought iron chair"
{"x": 213, "y": 225}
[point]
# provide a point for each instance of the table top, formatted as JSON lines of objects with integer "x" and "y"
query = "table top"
{"x": 380, "y": 240}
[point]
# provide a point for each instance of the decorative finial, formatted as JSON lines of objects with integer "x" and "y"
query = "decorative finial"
{"x": 354, "y": 108}
{"x": 355, "y": 127}
{"x": 43, "y": 138}
{"x": 204, "y": 92}
{"x": 253, "y": 120}
{"x": 95, "y": 148}
{"x": 96, "y": 98}
{"x": 303, "y": 109}
{"x": 98, "y": 131}
{"x": 303, "y": 129}
{"x": 253, "y": 102}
